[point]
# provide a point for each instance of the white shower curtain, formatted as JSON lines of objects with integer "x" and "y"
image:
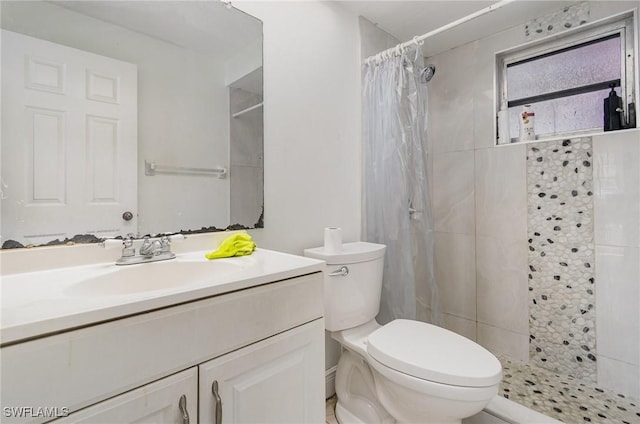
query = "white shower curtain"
{"x": 397, "y": 210}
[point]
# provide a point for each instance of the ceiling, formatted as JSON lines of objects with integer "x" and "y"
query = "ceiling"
{"x": 402, "y": 19}
{"x": 204, "y": 26}
{"x": 406, "y": 19}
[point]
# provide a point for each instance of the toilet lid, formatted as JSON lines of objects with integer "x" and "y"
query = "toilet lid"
{"x": 432, "y": 353}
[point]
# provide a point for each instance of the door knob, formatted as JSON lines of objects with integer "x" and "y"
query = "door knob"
{"x": 127, "y": 216}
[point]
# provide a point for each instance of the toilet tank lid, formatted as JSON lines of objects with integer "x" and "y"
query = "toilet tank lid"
{"x": 433, "y": 353}
{"x": 359, "y": 251}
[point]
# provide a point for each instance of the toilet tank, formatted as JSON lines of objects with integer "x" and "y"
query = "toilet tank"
{"x": 352, "y": 283}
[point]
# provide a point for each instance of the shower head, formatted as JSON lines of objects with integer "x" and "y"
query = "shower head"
{"x": 427, "y": 73}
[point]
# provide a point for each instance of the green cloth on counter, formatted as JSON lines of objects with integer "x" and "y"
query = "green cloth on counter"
{"x": 235, "y": 245}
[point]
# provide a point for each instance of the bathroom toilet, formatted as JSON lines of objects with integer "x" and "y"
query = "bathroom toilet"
{"x": 405, "y": 371}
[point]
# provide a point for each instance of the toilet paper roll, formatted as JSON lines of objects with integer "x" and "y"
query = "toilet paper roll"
{"x": 333, "y": 239}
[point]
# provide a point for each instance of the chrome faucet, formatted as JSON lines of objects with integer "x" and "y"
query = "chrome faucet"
{"x": 149, "y": 248}
{"x": 150, "y": 251}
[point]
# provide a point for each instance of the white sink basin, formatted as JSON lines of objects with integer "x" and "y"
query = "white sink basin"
{"x": 148, "y": 277}
{"x": 43, "y": 302}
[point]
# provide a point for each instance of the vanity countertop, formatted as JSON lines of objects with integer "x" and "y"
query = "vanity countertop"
{"x": 40, "y": 303}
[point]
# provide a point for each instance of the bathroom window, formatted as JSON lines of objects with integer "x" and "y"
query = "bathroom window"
{"x": 565, "y": 80}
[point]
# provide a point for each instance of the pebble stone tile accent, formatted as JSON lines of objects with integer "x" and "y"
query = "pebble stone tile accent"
{"x": 569, "y": 17}
{"x": 564, "y": 398}
{"x": 561, "y": 257}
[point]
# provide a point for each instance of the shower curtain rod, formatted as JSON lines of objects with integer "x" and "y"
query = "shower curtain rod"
{"x": 420, "y": 39}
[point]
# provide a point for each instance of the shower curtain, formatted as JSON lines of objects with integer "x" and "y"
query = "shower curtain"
{"x": 397, "y": 210}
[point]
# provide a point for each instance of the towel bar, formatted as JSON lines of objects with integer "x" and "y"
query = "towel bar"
{"x": 151, "y": 169}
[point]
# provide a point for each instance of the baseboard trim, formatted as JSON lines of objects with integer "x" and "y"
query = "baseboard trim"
{"x": 330, "y": 381}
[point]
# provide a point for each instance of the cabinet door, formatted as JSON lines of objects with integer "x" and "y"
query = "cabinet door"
{"x": 278, "y": 380}
{"x": 170, "y": 400}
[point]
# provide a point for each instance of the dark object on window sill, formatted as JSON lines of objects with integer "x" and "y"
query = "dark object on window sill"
{"x": 632, "y": 116}
{"x": 613, "y": 112}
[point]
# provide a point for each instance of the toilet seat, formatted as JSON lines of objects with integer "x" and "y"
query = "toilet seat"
{"x": 434, "y": 354}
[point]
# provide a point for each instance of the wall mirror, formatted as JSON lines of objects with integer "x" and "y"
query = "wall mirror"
{"x": 119, "y": 117}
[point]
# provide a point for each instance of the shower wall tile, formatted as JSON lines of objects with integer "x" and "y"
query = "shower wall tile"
{"x": 501, "y": 193}
{"x": 502, "y": 283}
{"x": 451, "y": 121}
{"x": 462, "y": 326}
{"x": 455, "y": 271}
{"x": 504, "y": 342}
{"x": 453, "y": 192}
{"x": 617, "y": 189}
{"x": 618, "y": 318}
{"x": 619, "y": 377}
{"x": 501, "y": 219}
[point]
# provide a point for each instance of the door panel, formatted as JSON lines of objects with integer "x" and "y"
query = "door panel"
{"x": 69, "y": 141}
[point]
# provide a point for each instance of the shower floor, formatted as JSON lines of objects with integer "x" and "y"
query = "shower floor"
{"x": 564, "y": 398}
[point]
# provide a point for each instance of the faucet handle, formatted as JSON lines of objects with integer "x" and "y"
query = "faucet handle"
{"x": 128, "y": 249}
{"x": 146, "y": 249}
{"x": 165, "y": 244}
{"x": 128, "y": 240}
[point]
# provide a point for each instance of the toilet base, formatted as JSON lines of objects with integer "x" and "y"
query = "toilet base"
{"x": 355, "y": 388}
{"x": 357, "y": 400}
{"x": 343, "y": 416}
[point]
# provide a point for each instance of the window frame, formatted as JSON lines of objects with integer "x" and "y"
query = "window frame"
{"x": 621, "y": 24}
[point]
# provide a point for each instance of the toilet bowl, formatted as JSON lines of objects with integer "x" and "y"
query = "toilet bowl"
{"x": 405, "y": 371}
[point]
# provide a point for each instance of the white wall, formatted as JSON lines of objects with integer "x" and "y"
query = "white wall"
{"x": 312, "y": 123}
{"x": 480, "y": 216}
{"x": 373, "y": 39}
{"x": 312, "y": 151}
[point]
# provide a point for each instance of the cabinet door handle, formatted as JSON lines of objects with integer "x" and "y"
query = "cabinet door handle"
{"x": 218, "y": 412}
{"x": 182, "y": 404}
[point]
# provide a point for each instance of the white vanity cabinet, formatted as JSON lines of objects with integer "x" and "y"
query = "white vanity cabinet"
{"x": 264, "y": 345}
{"x": 171, "y": 400}
{"x": 273, "y": 381}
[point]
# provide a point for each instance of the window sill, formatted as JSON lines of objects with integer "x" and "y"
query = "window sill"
{"x": 516, "y": 142}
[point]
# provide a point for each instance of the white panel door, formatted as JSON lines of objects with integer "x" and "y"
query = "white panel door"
{"x": 69, "y": 142}
{"x": 278, "y": 380}
{"x": 170, "y": 400}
